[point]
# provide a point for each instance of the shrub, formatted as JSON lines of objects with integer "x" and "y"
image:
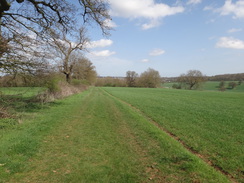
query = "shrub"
{"x": 232, "y": 85}
{"x": 53, "y": 85}
{"x": 176, "y": 86}
{"x": 77, "y": 82}
{"x": 222, "y": 86}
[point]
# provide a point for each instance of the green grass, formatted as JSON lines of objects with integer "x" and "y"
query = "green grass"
{"x": 213, "y": 86}
{"x": 93, "y": 137}
{"x": 18, "y": 145}
{"x": 16, "y": 103}
{"x": 25, "y": 92}
{"x": 20, "y": 99}
{"x": 210, "y": 123}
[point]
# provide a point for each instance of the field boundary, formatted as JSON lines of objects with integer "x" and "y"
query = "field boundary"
{"x": 187, "y": 147}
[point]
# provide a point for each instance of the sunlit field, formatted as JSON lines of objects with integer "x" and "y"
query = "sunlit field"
{"x": 209, "y": 123}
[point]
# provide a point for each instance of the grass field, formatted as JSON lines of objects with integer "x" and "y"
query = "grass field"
{"x": 213, "y": 86}
{"x": 209, "y": 123}
{"x": 25, "y": 92}
{"x": 94, "y": 137}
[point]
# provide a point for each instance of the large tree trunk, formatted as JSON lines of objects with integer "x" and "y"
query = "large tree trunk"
{"x": 68, "y": 77}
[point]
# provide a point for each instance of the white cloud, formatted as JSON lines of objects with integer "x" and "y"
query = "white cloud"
{"x": 146, "y": 9}
{"x": 157, "y": 52}
{"x": 110, "y": 23}
{"x": 207, "y": 8}
{"x": 151, "y": 24}
{"x": 194, "y": 1}
{"x": 234, "y": 30}
{"x": 210, "y": 21}
{"x": 99, "y": 43}
{"x": 145, "y": 60}
{"x": 236, "y": 8}
{"x": 229, "y": 42}
{"x": 104, "y": 53}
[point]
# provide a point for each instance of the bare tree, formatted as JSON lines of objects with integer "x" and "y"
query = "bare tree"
{"x": 20, "y": 17}
{"x": 131, "y": 77}
{"x": 64, "y": 48}
{"x": 38, "y": 15}
{"x": 150, "y": 79}
{"x": 3, "y": 46}
{"x": 192, "y": 79}
{"x": 27, "y": 57}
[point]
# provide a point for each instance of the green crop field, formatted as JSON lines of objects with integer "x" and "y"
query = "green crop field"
{"x": 209, "y": 123}
{"x": 128, "y": 135}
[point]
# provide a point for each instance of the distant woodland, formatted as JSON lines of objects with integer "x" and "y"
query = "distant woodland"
{"x": 222, "y": 77}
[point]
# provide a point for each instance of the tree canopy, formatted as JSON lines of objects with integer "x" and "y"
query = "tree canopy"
{"x": 23, "y": 20}
{"x": 38, "y": 15}
{"x": 131, "y": 77}
{"x": 150, "y": 79}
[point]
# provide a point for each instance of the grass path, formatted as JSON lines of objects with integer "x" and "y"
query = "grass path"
{"x": 94, "y": 137}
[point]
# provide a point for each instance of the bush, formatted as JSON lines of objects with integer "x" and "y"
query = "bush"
{"x": 176, "y": 86}
{"x": 232, "y": 85}
{"x": 52, "y": 85}
{"x": 76, "y": 82}
{"x": 222, "y": 86}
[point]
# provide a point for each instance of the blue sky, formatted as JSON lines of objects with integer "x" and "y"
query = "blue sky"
{"x": 172, "y": 37}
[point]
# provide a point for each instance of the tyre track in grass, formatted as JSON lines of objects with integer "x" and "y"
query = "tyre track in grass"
{"x": 186, "y": 146}
{"x": 63, "y": 150}
{"x": 153, "y": 174}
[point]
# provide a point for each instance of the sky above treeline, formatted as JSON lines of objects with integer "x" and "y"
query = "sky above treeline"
{"x": 172, "y": 37}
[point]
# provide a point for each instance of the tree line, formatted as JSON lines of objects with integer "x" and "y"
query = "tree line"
{"x": 148, "y": 79}
{"x": 227, "y": 77}
{"x": 151, "y": 78}
{"x": 83, "y": 73}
